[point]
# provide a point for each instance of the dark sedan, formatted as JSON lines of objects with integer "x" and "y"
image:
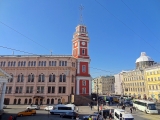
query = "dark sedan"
{"x": 72, "y": 115}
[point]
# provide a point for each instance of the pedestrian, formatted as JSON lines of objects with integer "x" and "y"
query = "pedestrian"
{"x": 10, "y": 117}
{"x": 91, "y": 107}
{"x": 110, "y": 115}
{"x": 131, "y": 109}
{"x": 117, "y": 105}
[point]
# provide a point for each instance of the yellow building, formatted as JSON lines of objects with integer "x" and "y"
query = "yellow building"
{"x": 134, "y": 82}
{"x": 152, "y": 75}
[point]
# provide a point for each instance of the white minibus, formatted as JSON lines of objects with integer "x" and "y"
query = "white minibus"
{"x": 120, "y": 114}
{"x": 145, "y": 106}
{"x": 61, "y": 108}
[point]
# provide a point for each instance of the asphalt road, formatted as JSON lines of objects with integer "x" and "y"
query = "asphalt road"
{"x": 83, "y": 110}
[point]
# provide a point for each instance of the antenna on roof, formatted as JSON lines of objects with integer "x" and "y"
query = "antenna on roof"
{"x": 51, "y": 52}
{"x": 81, "y": 17}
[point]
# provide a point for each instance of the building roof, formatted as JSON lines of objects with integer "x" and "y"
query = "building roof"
{"x": 36, "y": 56}
{"x": 143, "y": 58}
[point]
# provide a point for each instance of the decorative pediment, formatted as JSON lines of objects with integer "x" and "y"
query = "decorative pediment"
{"x": 4, "y": 75}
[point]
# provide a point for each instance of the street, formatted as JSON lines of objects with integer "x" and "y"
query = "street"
{"x": 83, "y": 110}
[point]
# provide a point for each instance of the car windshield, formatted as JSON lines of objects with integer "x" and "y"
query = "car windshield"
{"x": 151, "y": 107}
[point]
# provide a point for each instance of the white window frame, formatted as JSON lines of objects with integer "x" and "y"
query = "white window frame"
{"x": 83, "y": 90}
{"x": 83, "y": 82}
{"x": 83, "y": 68}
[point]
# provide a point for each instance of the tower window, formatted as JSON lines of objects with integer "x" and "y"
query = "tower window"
{"x": 83, "y": 68}
{"x": 83, "y": 51}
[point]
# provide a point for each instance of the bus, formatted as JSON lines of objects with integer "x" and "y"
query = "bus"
{"x": 145, "y": 106}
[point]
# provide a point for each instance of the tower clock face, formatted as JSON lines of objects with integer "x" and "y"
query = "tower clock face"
{"x": 83, "y": 43}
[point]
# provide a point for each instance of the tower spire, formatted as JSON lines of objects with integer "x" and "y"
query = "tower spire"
{"x": 81, "y": 17}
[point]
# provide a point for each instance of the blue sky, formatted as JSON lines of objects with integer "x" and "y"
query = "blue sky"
{"x": 118, "y": 34}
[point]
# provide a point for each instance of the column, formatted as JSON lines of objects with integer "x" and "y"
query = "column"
{"x": 78, "y": 64}
{"x": 2, "y": 96}
{"x": 77, "y": 91}
{"x": 78, "y": 48}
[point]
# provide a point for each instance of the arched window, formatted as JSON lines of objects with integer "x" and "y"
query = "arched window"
{"x": 32, "y": 63}
{"x": 8, "y": 63}
{"x": 29, "y": 63}
{"x": 29, "y": 78}
{"x": 52, "y": 78}
{"x": 48, "y": 101}
{"x": 15, "y": 101}
{"x": 25, "y": 101}
{"x": 22, "y": 63}
{"x": 30, "y": 101}
{"x": 64, "y": 78}
{"x": 11, "y": 63}
{"x": 14, "y": 63}
{"x": 18, "y": 79}
{"x": 22, "y": 76}
{"x": 19, "y": 101}
{"x": 52, "y": 101}
{"x": 60, "y": 78}
{"x": 32, "y": 78}
{"x": 44, "y": 63}
{"x": 41, "y": 78}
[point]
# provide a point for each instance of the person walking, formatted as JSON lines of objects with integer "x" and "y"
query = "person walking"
{"x": 110, "y": 115}
{"x": 131, "y": 109}
{"x": 91, "y": 106}
{"x": 10, "y": 117}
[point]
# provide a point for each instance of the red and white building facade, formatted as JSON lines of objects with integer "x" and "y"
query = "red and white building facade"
{"x": 49, "y": 79}
{"x": 81, "y": 53}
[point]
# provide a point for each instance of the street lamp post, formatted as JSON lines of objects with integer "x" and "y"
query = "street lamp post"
{"x": 97, "y": 95}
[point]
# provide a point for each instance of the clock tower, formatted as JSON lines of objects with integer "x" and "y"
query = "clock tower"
{"x": 80, "y": 45}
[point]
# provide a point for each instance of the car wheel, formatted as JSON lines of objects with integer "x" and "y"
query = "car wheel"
{"x": 146, "y": 112}
{"x": 21, "y": 115}
{"x": 52, "y": 113}
{"x": 72, "y": 117}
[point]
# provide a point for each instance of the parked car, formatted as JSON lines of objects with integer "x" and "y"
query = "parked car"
{"x": 35, "y": 107}
{"x": 48, "y": 108}
{"x": 95, "y": 115}
{"x": 27, "y": 112}
{"x": 72, "y": 115}
{"x": 4, "y": 106}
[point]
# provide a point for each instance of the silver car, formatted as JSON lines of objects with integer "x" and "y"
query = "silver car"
{"x": 33, "y": 107}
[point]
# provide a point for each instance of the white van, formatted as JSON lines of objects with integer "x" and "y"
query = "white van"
{"x": 120, "y": 114}
{"x": 61, "y": 108}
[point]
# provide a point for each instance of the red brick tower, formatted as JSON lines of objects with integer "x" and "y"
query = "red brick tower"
{"x": 80, "y": 51}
